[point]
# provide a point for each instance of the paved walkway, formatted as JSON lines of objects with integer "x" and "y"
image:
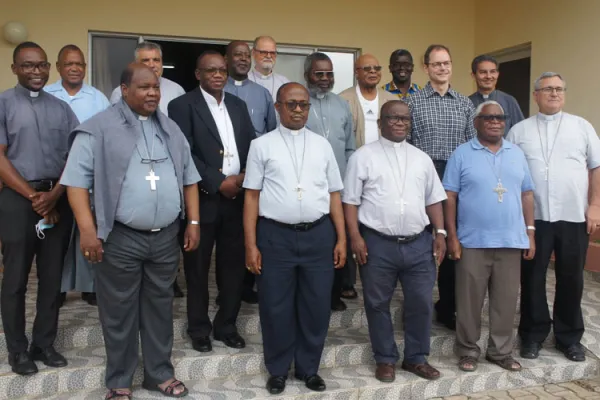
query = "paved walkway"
{"x": 575, "y": 390}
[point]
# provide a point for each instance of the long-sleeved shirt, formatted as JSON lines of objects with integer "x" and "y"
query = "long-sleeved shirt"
{"x": 259, "y": 102}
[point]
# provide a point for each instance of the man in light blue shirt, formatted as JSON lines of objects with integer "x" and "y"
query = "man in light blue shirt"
{"x": 487, "y": 180}
{"x": 85, "y": 101}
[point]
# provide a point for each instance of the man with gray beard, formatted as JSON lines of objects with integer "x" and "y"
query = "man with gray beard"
{"x": 330, "y": 117}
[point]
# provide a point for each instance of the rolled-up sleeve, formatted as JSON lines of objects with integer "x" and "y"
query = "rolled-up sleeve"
{"x": 190, "y": 173}
{"x": 354, "y": 180}
{"x": 255, "y": 167}
{"x": 79, "y": 171}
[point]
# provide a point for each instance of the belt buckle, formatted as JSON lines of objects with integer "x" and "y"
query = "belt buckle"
{"x": 155, "y": 230}
{"x": 51, "y": 185}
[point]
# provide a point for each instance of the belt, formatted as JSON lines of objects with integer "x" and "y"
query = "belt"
{"x": 147, "y": 231}
{"x": 43, "y": 185}
{"x": 305, "y": 226}
{"x": 397, "y": 239}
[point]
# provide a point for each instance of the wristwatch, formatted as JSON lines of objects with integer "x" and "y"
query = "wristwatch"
{"x": 442, "y": 232}
{"x": 194, "y": 222}
{"x": 530, "y": 228}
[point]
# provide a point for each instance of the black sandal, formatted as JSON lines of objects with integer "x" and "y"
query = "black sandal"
{"x": 114, "y": 394}
{"x": 168, "y": 391}
{"x": 508, "y": 363}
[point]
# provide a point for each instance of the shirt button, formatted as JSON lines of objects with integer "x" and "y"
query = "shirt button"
{"x": 220, "y": 170}
{"x": 221, "y": 152}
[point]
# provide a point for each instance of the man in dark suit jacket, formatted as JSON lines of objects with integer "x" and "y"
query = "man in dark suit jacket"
{"x": 219, "y": 129}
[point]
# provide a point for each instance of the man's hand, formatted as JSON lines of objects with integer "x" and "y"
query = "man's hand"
{"x": 191, "y": 237}
{"x": 530, "y": 253}
{"x": 592, "y": 217}
{"x": 239, "y": 179}
{"x": 454, "y": 248}
{"x": 253, "y": 260}
{"x": 43, "y": 202}
{"x": 439, "y": 248}
{"x": 52, "y": 217}
{"x": 359, "y": 249}
{"x": 339, "y": 254}
{"x": 91, "y": 246}
{"x": 229, "y": 187}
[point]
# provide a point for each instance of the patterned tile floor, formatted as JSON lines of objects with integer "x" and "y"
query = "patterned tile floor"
{"x": 347, "y": 363}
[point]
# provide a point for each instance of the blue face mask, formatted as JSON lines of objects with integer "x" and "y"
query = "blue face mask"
{"x": 41, "y": 226}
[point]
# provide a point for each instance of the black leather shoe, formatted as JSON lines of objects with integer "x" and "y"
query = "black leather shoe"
{"x": 233, "y": 340}
{"x": 218, "y": 300}
{"x": 22, "y": 364}
{"x": 90, "y": 298}
{"x": 48, "y": 356}
{"x": 338, "y": 305}
{"x": 250, "y": 296}
{"x": 276, "y": 384}
{"x": 530, "y": 350}
{"x": 203, "y": 344}
{"x": 61, "y": 299}
{"x": 177, "y": 292}
{"x": 449, "y": 323}
{"x": 573, "y": 352}
{"x": 313, "y": 382}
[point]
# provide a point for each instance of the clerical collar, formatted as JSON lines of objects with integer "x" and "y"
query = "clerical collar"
{"x": 27, "y": 92}
{"x": 553, "y": 117}
{"x": 487, "y": 96}
{"x": 140, "y": 117}
{"x": 389, "y": 143}
{"x": 258, "y": 74}
{"x": 288, "y": 131}
{"x": 320, "y": 95}
{"x": 236, "y": 82}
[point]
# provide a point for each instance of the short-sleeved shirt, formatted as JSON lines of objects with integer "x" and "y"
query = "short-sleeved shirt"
{"x": 86, "y": 103}
{"x": 35, "y": 127}
{"x": 508, "y": 103}
{"x": 259, "y": 102}
{"x": 572, "y": 148}
{"x": 440, "y": 123}
{"x": 391, "y": 87}
{"x": 169, "y": 90}
{"x": 271, "y": 82}
{"x": 270, "y": 169}
{"x": 381, "y": 176}
{"x": 473, "y": 172}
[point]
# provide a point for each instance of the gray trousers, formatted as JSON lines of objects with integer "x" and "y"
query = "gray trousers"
{"x": 477, "y": 272}
{"x": 134, "y": 288}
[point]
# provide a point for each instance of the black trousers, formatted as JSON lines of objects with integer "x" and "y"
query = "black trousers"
{"x": 226, "y": 234}
{"x": 20, "y": 244}
{"x": 569, "y": 242}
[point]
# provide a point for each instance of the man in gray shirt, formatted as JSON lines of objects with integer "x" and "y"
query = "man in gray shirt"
{"x": 34, "y": 130}
{"x": 139, "y": 164}
{"x": 330, "y": 116}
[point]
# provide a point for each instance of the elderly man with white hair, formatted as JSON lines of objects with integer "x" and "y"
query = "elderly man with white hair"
{"x": 264, "y": 54}
{"x": 563, "y": 152}
{"x": 489, "y": 218}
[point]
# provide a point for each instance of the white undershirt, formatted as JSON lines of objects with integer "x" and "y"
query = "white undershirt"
{"x": 371, "y": 112}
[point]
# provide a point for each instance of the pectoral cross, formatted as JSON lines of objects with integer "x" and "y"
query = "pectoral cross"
{"x": 402, "y": 203}
{"x": 228, "y": 156}
{"x": 152, "y": 178}
{"x": 299, "y": 190}
{"x": 500, "y": 190}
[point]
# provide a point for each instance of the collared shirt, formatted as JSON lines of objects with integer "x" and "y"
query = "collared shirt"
{"x": 259, "y": 102}
{"x": 169, "y": 90}
{"x": 271, "y": 82}
{"x": 139, "y": 206}
{"x": 440, "y": 123}
{"x": 508, "y": 103}
{"x": 330, "y": 117}
{"x": 392, "y": 183}
{"x": 277, "y": 159}
{"x": 86, "y": 103}
{"x": 473, "y": 171}
{"x": 570, "y": 145}
{"x": 370, "y": 112}
{"x": 391, "y": 87}
{"x": 231, "y": 158}
{"x": 35, "y": 127}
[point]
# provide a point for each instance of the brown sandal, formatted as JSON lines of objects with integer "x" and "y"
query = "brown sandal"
{"x": 168, "y": 391}
{"x": 508, "y": 363}
{"x": 114, "y": 394}
{"x": 467, "y": 360}
{"x": 424, "y": 370}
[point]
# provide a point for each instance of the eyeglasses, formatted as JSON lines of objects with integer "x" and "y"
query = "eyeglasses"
{"x": 438, "y": 65}
{"x": 293, "y": 104}
{"x": 550, "y": 89}
{"x": 401, "y": 65}
{"x": 394, "y": 119}
{"x": 492, "y": 117}
{"x": 322, "y": 74}
{"x": 213, "y": 71}
{"x": 153, "y": 161}
{"x": 370, "y": 68}
{"x": 265, "y": 53}
{"x": 30, "y": 67}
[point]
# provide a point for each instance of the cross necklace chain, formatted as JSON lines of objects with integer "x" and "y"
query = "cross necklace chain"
{"x": 227, "y": 154}
{"x": 298, "y": 171}
{"x": 322, "y": 118}
{"x": 499, "y": 189}
{"x": 151, "y": 177}
{"x": 400, "y": 190}
{"x": 547, "y": 154}
{"x": 256, "y": 78}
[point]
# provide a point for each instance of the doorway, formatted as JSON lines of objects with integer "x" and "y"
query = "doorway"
{"x": 515, "y": 74}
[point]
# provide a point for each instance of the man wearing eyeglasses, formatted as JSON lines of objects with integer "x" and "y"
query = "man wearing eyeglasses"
{"x": 35, "y": 218}
{"x": 401, "y": 68}
{"x": 442, "y": 120}
{"x": 264, "y": 53}
{"x": 330, "y": 117}
{"x": 563, "y": 152}
{"x": 392, "y": 193}
{"x": 219, "y": 129}
{"x": 295, "y": 237}
{"x": 85, "y": 101}
{"x": 490, "y": 193}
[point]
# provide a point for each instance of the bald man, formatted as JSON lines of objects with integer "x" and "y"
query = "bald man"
{"x": 264, "y": 53}
{"x": 152, "y": 186}
{"x": 219, "y": 129}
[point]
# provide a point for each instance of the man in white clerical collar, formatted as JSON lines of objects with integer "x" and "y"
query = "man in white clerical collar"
{"x": 561, "y": 150}
{"x": 264, "y": 53}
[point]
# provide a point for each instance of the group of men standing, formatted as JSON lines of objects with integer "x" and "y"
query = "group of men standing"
{"x": 302, "y": 187}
